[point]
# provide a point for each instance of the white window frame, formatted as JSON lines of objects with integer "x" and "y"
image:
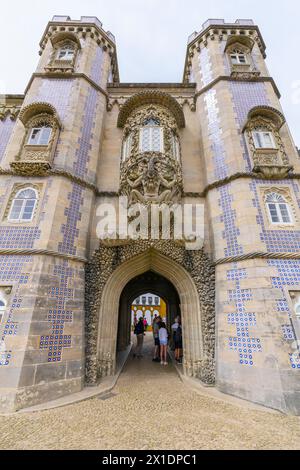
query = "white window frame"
{"x": 235, "y": 58}
{"x": 40, "y": 135}
{"x": 297, "y": 306}
{"x": 261, "y": 139}
{"x": 67, "y": 50}
{"x": 279, "y": 211}
{"x": 151, "y": 129}
{"x": 23, "y": 206}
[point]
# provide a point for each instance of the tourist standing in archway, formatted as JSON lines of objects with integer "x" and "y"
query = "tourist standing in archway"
{"x": 155, "y": 328}
{"x": 178, "y": 341}
{"x": 163, "y": 341}
{"x": 139, "y": 331}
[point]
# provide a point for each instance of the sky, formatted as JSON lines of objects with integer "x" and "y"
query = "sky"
{"x": 152, "y": 37}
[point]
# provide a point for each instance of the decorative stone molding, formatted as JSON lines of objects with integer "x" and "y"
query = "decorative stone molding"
{"x": 59, "y": 41}
{"x": 257, "y": 255}
{"x": 151, "y": 97}
{"x": 268, "y": 112}
{"x": 36, "y": 160}
{"x": 36, "y": 108}
{"x": 239, "y": 40}
{"x": 245, "y": 35}
{"x": 37, "y": 252}
{"x": 190, "y": 101}
{"x": 11, "y": 111}
{"x": 18, "y": 187}
{"x": 80, "y": 32}
{"x": 285, "y": 192}
{"x": 101, "y": 267}
{"x": 151, "y": 176}
{"x": 272, "y": 163}
{"x": 243, "y": 45}
{"x": 115, "y": 100}
{"x": 244, "y": 75}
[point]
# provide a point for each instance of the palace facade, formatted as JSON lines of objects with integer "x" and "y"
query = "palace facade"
{"x": 78, "y": 138}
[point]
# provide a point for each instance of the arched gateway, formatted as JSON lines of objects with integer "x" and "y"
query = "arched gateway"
{"x": 190, "y": 274}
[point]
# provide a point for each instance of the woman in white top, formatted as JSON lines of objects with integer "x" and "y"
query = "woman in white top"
{"x": 163, "y": 342}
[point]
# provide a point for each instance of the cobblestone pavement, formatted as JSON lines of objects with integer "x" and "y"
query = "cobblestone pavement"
{"x": 153, "y": 410}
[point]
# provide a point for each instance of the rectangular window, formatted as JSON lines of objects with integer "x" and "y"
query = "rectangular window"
{"x": 285, "y": 215}
{"x": 40, "y": 136}
{"x": 273, "y": 212}
{"x": 151, "y": 139}
{"x": 279, "y": 213}
{"x": 264, "y": 140}
{"x": 65, "y": 54}
{"x": 238, "y": 59}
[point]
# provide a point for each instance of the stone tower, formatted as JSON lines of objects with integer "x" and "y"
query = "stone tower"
{"x": 42, "y": 332}
{"x": 79, "y": 138}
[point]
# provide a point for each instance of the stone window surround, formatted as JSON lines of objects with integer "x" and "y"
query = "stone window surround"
{"x": 292, "y": 205}
{"x": 17, "y": 187}
{"x": 35, "y": 159}
{"x": 21, "y": 212}
{"x": 135, "y": 123}
{"x": 272, "y": 162}
{"x": 59, "y": 41}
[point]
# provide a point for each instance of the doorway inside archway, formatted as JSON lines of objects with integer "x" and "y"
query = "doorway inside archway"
{"x": 148, "y": 306}
{"x": 145, "y": 296}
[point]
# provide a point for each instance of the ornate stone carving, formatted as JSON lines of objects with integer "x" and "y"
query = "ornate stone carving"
{"x": 285, "y": 192}
{"x": 9, "y": 110}
{"x": 272, "y": 163}
{"x": 18, "y": 187}
{"x": 63, "y": 66}
{"x": 36, "y": 160}
{"x": 151, "y": 178}
{"x": 102, "y": 265}
{"x": 153, "y": 97}
{"x": 245, "y": 75}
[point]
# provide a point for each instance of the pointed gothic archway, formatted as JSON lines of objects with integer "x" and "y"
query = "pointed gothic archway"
{"x": 153, "y": 283}
{"x": 189, "y": 301}
{"x": 192, "y": 275}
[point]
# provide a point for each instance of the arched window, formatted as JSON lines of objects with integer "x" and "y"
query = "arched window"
{"x": 151, "y": 136}
{"x": 238, "y": 57}
{"x": 279, "y": 210}
{"x": 39, "y": 135}
{"x": 66, "y": 52}
{"x": 263, "y": 138}
{"x": 127, "y": 147}
{"x": 23, "y": 206}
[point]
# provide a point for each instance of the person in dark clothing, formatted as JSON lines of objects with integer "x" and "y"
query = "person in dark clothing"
{"x": 178, "y": 342}
{"x": 139, "y": 331}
